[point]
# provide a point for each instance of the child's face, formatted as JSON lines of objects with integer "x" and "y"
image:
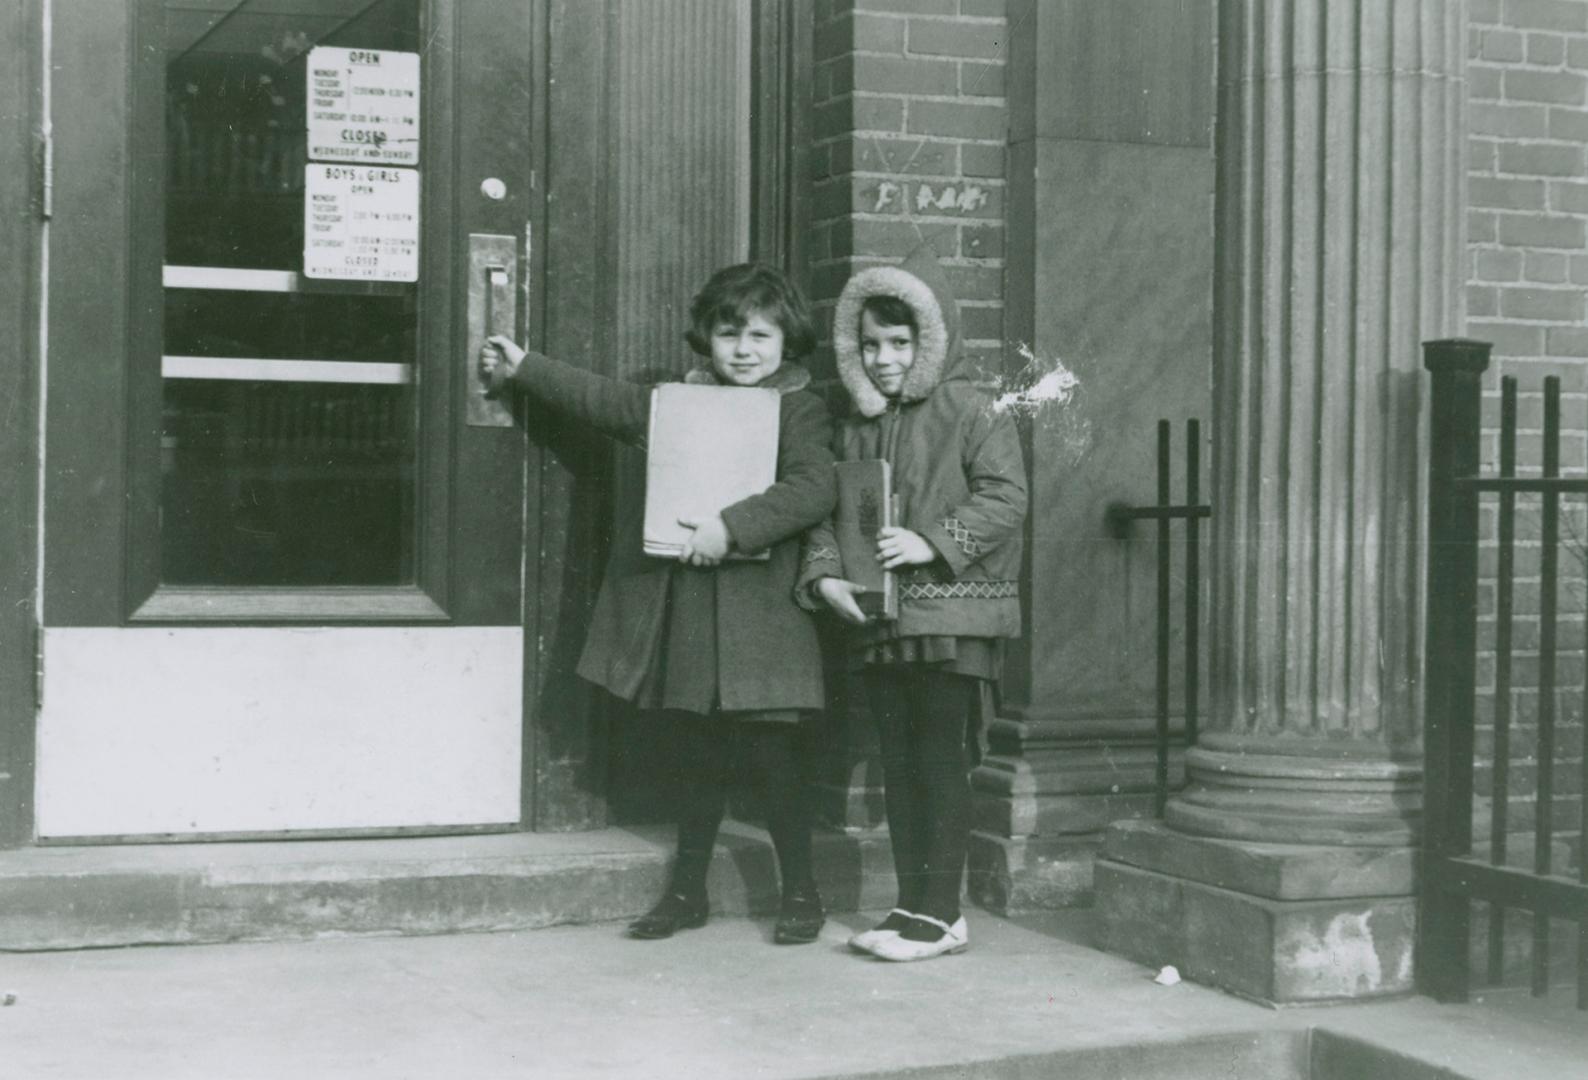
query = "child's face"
{"x": 886, "y": 352}
{"x": 745, "y": 353}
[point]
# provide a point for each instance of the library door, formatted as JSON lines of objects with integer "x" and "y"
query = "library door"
{"x": 283, "y": 531}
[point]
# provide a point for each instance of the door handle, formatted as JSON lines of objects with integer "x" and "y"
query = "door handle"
{"x": 493, "y": 309}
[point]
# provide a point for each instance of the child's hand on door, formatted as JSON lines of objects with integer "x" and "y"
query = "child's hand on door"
{"x": 499, "y": 359}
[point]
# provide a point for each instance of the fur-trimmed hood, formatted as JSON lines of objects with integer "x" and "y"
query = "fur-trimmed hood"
{"x": 920, "y": 282}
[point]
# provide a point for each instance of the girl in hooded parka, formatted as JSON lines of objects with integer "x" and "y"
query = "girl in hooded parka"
{"x": 713, "y": 645}
{"x": 960, "y": 480}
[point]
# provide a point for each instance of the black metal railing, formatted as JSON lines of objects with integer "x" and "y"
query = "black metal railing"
{"x": 1452, "y": 874}
{"x": 1119, "y": 517}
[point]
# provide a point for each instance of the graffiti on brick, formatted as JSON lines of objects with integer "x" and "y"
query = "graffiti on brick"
{"x": 893, "y": 196}
{"x": 965, "y": 199}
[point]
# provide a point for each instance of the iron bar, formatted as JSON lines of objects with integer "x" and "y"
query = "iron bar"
{"x": 1559, "y": 485}
{"x": 1193, "y": 578}
{"x": 1450, "y": 635}
{"x": 1544, "y": 758}
{"x": 1162, "y": 788}
{"x": 1503, "y": 604}
{"x": 1452, "y": 874}
{"x": 1543, "y": 894}
{"x": 1117, "y": 518}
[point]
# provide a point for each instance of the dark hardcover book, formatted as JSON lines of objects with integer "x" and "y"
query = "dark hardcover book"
{"x": 708, "y": 447}
{"x": 865, "y": 507}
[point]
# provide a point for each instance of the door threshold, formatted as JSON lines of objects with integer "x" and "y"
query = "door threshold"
{"x": 180, "y": 894}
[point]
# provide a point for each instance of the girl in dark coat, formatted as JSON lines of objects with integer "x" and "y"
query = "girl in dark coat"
{"x": 961, "y": 485}
{"x": 717, "y": 644}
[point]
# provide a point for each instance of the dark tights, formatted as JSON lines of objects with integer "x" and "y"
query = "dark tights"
{"x": 770, "y": 751}
{"x": 923, "y": 716}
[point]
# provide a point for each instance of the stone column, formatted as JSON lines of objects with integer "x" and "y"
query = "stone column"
{"x": 1284, "y": 869}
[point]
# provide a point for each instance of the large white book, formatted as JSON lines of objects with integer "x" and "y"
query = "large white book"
{"x": 708, "y": 447}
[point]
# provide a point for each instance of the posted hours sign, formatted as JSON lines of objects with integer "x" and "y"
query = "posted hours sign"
{"x": 361, "y": 223}
{"x": 363, "y": 106}
{"x": 361, "y": 211}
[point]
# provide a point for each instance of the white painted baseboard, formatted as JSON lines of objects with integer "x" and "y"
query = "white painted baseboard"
{"x": 223, "y": 730}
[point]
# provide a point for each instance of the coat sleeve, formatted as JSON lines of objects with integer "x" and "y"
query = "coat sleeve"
{"x": 995, "y": 473}
{"x": 805, "y": 491}
{"x": 819, "y": 558}
{"x": 616, "y": 408}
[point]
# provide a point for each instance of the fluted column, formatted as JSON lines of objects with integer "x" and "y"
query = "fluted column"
{"x": 1339, "y": 239}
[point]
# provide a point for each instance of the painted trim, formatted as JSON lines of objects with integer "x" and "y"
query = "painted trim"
{"x": 334, "y": 604}
{"x": 235, "y": 279}
{"x": 270, "y": 369}
{"x": 24, "y": 94}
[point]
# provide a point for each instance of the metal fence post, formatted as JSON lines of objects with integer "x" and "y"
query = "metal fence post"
{"x": 1449, "y": 657}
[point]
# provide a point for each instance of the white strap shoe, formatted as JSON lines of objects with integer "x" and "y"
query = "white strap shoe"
{"x": 901, "y": 949}
{"x": 866, "y": 940}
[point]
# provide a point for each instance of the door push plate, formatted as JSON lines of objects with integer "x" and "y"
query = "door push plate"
{"x": 493, "y": 309}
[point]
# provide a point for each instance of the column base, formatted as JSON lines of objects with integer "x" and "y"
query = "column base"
{"x": 1052, "y": 777}
{"x": 1253, "y": 789}
{"x": 1013, "y": 876}
{"x": 1281, "y": 924}
{"x": 1042, "y": 798}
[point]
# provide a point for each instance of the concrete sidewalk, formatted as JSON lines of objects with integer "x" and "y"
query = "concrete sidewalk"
{"x": 1030, "y": 998}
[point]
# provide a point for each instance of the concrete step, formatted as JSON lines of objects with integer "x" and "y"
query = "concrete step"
{"x": 164, "y": 894}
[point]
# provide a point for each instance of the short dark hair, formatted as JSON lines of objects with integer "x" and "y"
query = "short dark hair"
{"x": 734, "y": 293}
{"x": 889, "y": 311}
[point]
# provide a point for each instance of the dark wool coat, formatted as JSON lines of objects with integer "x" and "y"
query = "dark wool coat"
{"x": 957, "y": 467}
{"x": 766, "y": 653}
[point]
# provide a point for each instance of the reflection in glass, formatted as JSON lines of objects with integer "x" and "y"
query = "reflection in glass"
{"x": 281, "y": 474}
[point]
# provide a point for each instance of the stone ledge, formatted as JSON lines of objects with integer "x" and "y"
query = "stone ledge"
{"x": 166, "y": 894}
{"x": 1280, "y": 952}
{"x": 1030, "y": 873}
{"x": 1055, "y": 815}
{"x": 1275, "y": 871}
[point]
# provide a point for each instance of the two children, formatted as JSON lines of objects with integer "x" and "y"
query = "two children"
{"x": 715, "y": 646}
{"x": 960, "y": 479}
{"x": 723, "y": 646}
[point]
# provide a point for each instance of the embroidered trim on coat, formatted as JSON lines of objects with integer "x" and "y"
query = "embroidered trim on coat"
{"x": 958, "y": 590}
{"x": 962, "y": 536}
{"x": 820, "y": 554}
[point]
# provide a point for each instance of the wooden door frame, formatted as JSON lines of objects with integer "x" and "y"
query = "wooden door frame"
{"x": 21, "y": 216}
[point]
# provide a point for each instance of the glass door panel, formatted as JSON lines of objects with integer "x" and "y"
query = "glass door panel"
{"x": 289, "y": 418}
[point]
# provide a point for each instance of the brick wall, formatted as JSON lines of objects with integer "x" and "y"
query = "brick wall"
{"x": 910, "y": 131}
{"x": 909, "y": 138}
{"x": 1528, "y": 294}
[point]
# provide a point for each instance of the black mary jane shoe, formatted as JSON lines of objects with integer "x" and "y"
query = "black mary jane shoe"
{"x": 801, "y": 918}
{"x": 672, "y": 913}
